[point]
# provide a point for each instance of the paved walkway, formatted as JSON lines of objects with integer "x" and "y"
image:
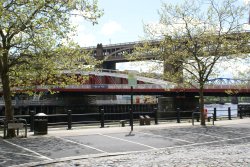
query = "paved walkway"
{"x": 225, "y": 144}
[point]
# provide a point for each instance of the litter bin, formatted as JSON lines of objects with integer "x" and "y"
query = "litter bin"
{"x": 41, "y": 124}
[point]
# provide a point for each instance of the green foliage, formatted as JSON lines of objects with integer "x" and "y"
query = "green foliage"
{"x": 61, "y": 66}
{"x": 35, "y": 40}
{"x": 194, "y": 36}
{"x": 35, "y": 45}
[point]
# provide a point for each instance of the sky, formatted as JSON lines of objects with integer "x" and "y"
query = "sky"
{"x": 123, "y": 22}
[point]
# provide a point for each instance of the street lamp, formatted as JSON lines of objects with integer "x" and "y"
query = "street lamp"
{"x": 132, "y": 82}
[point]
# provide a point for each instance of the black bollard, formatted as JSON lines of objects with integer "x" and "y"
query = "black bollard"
{"x": 215, "y": 112}
{"x": 156, "y": 115}
{"x": 198, "y": 117}
{"x": 69, "y": 120}
{"x": 32, "y": 113}
{"x": 229, "y": 113}
{"x": 131, "y": 119}
{"x": 178, "y": 115}
{"x": 102, "y": 118}
{"x": 240, "y": 110}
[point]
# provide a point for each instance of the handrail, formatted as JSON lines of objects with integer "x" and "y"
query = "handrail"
{"x": 108, "y": 86}
{"x": 155, "y": 83}
{"x": 101, "y": 116}
{"x": 215, "y": 83}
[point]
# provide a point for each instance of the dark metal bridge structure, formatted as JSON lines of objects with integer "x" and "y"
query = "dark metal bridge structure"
{"x": 115, "y": 53}
{"x": 109, "y": 80}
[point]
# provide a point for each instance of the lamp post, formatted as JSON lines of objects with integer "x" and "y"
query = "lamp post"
{"x": 132, "y": 82}
{"x": 131, "y": 110}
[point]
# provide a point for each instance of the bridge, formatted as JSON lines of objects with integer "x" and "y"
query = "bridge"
{"x": 103, "y": 85}
{"x": 106, "y": 81}
{"x": 115, "y": 53}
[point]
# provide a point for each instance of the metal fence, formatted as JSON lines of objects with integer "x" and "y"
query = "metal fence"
{"x": 103, "y": 117}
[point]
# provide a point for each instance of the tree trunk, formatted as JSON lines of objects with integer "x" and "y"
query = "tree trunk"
{"x": 201, "y": 99}
{"x": 9, "y": 113}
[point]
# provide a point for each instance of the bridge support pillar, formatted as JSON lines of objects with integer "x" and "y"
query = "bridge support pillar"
{"x": 100, "y": 56}
{"x": 99, "y": 52}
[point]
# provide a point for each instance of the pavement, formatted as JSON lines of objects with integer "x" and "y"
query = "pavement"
{"x": 167, "y": 144}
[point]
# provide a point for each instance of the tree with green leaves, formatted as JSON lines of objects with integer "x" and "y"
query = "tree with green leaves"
{"x": 193, "y": 37}
{"x": 36, "y": 45}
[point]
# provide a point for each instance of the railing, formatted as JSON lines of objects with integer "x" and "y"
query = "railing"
{"x": 217, "y": 83}
{"x": 125, "y": 43}
{"x": 70, "y": 119}
{"x": 155, "y": 83}
{"x": 145, "y": 86}
{"x": 32, "y": 102}
{"x": 222, "y": 87}
{"x": 117, "y": 102}
{"x": 227, "y": 87}
{"x": 106, "y": 86}
{"x": 106, "y": 117}
{"x": 13, "y": 102}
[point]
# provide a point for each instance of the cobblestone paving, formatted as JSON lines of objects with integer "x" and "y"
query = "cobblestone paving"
{"x": 225, "y": 155}
{"x": 152, "y": 146}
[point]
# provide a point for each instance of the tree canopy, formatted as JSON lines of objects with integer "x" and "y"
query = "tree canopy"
{"x": 193, "y": 36}
{"x": 36, "y": 42}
